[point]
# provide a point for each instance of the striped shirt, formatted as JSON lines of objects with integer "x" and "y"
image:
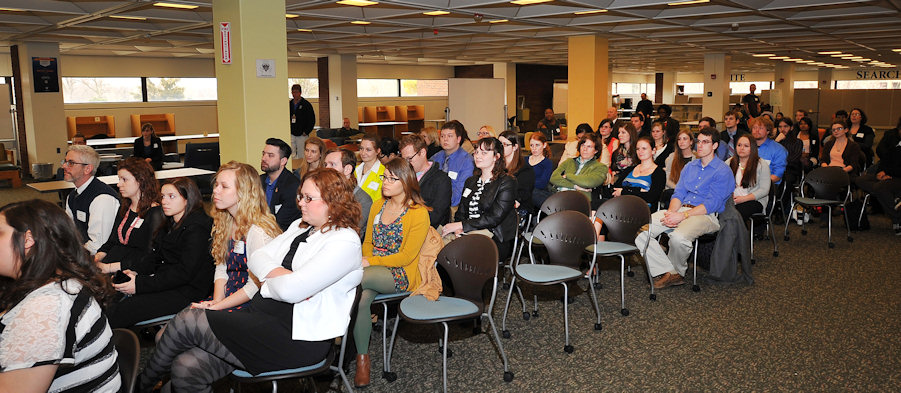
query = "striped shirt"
{"x": 51, "y": 326}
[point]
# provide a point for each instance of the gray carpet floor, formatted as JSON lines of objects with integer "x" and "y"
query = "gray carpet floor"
{"x": 816, "y": 319}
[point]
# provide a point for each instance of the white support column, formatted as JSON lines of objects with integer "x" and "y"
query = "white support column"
{"x": 342, "y": 89}
{"x": 716, "y": 85}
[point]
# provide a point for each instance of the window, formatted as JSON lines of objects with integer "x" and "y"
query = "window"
{"x": 692, "y": 88}
{"x": 745, "y": 87}
{"x": 805, "y": 84}
{"x": 309, "y": 87}
{"x": 868, "y": 84}
{"x": 422, "y": 88}
{"x": 181, "y": 89}
{"x": 378, "y": 88}
{"x": 82, "y": 90}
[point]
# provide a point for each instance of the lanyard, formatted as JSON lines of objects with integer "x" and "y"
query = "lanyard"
{"x": 130, "y": 227}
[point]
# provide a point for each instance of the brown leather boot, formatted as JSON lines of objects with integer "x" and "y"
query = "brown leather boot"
{"x": 361, "y": 378}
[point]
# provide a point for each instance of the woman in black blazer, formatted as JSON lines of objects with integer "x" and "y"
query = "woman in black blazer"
{"x": 180, "y": 268}
{"x": 149, "y": 147}
{"x": 488, "y": 198}
{"x": 841, "y": 145}
{"x": 517, "y": 167}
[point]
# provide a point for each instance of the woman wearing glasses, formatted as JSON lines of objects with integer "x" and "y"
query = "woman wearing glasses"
{"x": 395, "y": 232}
{"x": 516, "y": 167}
{"x": 841, "y": 151}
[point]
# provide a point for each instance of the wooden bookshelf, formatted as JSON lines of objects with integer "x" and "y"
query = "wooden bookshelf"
{"x": 163, "y": 123}
{"x": 90, "y": 126}
{"x": 414, "y": 115}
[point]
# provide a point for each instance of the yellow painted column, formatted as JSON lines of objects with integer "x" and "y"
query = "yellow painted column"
{"x": 716, "y": 85}
{"x": 253, "y": 88}
{"x": 589, "y": 80}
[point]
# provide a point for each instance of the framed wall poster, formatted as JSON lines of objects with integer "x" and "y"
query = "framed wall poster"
{"x": 46, "y": 74}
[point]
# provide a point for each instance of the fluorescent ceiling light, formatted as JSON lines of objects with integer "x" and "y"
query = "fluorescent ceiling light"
{"x": 854, "y": 57}
{"x": 436, "y": 13}
{"x": 11, "y": 9}
{"x": 127, "y": 17}
{"x": 358, "y": 3}
{"x": 688, "y": 2}
{"x": 590, "y": 12}
{"x": 360, "y": 22}
{"x": 860, "y": 60}
{"x": 790, "y": 59}
{"x": 528, "y": 2}
{"x": 842, "y": 55}
{"x": 175, "y": 5}
{"x": 778, "y": 57}
{"x": 498, "y": 21}
{"x": 805, "y": 61}
{"x": 763, "y": 54}
{"x": 291, "y": 16}
{"x": 834, "y": 52}
{"x": 304, "y": 30}
{"x": 896, "y": 50}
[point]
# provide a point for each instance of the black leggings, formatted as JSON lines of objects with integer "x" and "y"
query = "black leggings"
{"x": 746, "y": 209}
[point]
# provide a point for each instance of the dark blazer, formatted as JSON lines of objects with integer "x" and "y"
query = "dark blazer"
{"x": 304, "y": 117}
{"x": 435, "y": 188}
{"x": 496, "y": 206}
{"x": 284, "y": 197}
{"x": 865, "y": 141}
{"x": 525, "y": 182}
{"x": 851, "y": 156}
{"x": 156, "y": 153}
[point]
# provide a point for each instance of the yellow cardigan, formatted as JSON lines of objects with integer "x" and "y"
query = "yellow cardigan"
{"x": 371, "y": 182}
{"x": 415, "y": 228}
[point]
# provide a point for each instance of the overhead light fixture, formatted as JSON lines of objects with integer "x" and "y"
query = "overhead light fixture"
{"x": 778, "y": 57}
{"x": 499, "y": 21}
{"x": 763, "y": 54}
{"x": 291, "y": 16}
{"x": 360, "y": 22}
{"x": 831, "y": 52}
{"x": 436, "y": 13}
{"x": 358, "y": 3}
{"x": 176, "y": 5}
{"x": 529, "y": 2}
{"x": 11, "y": 9}
{"x": 127, "y": 17}
{"x": 688, "y": 2}
{"x": 805, "y": 61}
{"x": 860, "y": 60}
{"x": 896, "y": 50}
{"x": 789, "y": 59}
{"x": 305, "y": 30}
{"x": 589, "y": 12}
{"x": 854, "y": 57}
{"x": 842, "y": 55}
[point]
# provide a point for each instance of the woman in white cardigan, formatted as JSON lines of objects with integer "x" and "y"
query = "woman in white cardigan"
{"x": 752, "y": 177}
{"x": 309, "y": 276}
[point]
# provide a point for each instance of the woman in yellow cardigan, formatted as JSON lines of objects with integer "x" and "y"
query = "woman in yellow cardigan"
{"x": 396, "y": 229}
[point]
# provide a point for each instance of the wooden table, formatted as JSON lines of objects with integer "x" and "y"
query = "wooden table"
{"x": 62, "y": 185}
{"x": 131, "y": 140}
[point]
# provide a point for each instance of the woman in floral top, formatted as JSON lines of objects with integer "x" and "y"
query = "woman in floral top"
{"x": 396, "y": 229}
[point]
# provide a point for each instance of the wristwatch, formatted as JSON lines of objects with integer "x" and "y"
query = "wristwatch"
{"x": 685, "y": 214}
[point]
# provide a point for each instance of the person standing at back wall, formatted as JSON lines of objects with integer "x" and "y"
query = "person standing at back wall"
{"x": 302, "y": 120}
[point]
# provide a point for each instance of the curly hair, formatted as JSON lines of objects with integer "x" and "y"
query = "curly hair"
{"x": 148, "y": 186}
{"x": 252, "y": 210}
{"x": 402, "y": 169}
{"x": 56, "y": 256}
{"x": 338, "y": 194}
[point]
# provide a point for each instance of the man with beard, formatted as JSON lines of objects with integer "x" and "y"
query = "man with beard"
{"x": 279, "y": 184}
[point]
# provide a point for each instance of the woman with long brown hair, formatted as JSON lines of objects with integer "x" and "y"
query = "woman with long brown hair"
{"x": 752, "y": 177}
{"x": 313, "y": 156}
{"x": 516, "y": 167}
{"x": 543, "y": 167}
{"x": 681, "y": 156}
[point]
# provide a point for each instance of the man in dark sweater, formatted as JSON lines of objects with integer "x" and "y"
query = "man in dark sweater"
{"x": 434, "y": 184}
{"x": 645, "y": 106}
{"x": 302, "y": 120}
{"x": 885, "y": 185}
{"x": 93, "y": 205}
{"x": 280, "y": 185}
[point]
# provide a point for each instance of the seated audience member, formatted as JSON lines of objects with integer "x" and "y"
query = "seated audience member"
{"x": 369, "y": 172}
{"x": 242, "y": 224}
{"x": 454, "y": 161}
{"x": 641, "y": 124}
{"x": 486, "y": 131}
{"x": 516, "y": 167}
{"x": 179, "y": 271}
{"x": 701, "y": 192}
{"x": 646, "y": 179}
{"x": 662, "y": 146}
{"x": 434, "y": 185}
{"x": 149, "y": 147}
{"x": 624, "y": 155}
{"x": 389, "y": 148}
{"x": 670, "y": 125}
{"x": 752, "y": 178}
{"x": 432, "y": 141}
{"x": 583, "y": 173}
{"x": 841, "y": 151}
{"x": 862, "y": 134}
{"x": 810, "y": 142}
{"x": 55, "y": 336}
{"x": 569, "y": 149}
{"x": 612, "y": 113}
{"x": 729, "y": 135}
{"x": 279, "y": 184}
{"x": 794, "y": 160}
{"x": 309, "y": 277}
{"x": 343, "y": 161}
{"x": 779, "y": 116}
{"x": 885, "y": 185}
{"x": 346, "y": 131}
{"x": 608, "y": 142}
{"x": 139, "y": 216}
{"x": 313, "y": 152}
{"x": 488, "y": 198}
{"x": 396, "y": 230}
{"x": 681, "y": 157}
{"x": 767, "y": 148}
{"x": 542, "y": 166}
{"x": 79, "y": 139}
{"x": 92, "y": 204}
{"x": 549, "y": 125}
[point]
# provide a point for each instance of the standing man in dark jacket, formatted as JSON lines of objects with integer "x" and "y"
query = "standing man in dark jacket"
{"x": 885, "y": 185}
{"x": 279, "y": 184}
{"x": 434, "y": 185}
{"x": 302, "y": 120}
{"x": 645, "y": 106}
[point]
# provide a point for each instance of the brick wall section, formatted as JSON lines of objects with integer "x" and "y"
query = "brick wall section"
{"x": 323, "y": 115}
{"x": 536, "y": 83}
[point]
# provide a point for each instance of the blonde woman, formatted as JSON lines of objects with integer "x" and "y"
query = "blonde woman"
{"x": 430, "y": 134}
{"x": 486, "y": 131}
{"x": 242, "y": 224}
{"x": 313, "y": 156}
{"x": 369, "y": 172}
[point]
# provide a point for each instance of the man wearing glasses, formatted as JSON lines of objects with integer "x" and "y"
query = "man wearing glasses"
{"x": 434, "y": 185}
{"x": 92, "y": 204}
{"x": 705, "y": 185}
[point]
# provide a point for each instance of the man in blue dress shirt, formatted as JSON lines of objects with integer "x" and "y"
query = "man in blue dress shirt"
{"x": 453, "y": 160}
{"x": 703, "y": 188}
{"x": 767, "y": 148}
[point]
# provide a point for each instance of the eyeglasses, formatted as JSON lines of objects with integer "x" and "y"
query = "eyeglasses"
{"x": 508, "y": 144}
{"x": 388, "y": 179}
{"x": 410, "y": 158}
{"x": 307, "y": 198}
{"x": 838, "y": 129}
{"x": 70, "y": 163}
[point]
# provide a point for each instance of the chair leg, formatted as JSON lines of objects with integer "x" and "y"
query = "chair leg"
{"x": 647, "y": 269}
{"x": 769, "y": 225}
{"x": 344, "y": 378}
{"x": 866, "y": 199}
{"x": 444, "y": 356}
{"x": 386, "y": 366}
{"x": 391, "y": 349}
{"x": 507, "y": 307}
{"x": 622, "y": 287}
{"x": 566, "y": 347}
{"x": 787, "y": 220}
{"x": 751, "y": 236}
{"x": 847, "y": 223}
{"x": 695, "y": 286}
{"x": 508, "y": 375}
{"x": 829, "y": 235}
{"x": 597, "y": 310}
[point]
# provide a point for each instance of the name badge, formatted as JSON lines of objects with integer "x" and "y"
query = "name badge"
{"x": 860, "y": 135}
{"x": 239, "y": 247}
{"x": 277, "y": 208}
{"x": 139, "y": 222}
{"x": 452, "y": 175}
{"x": 466, "y": 192}
{"x": 293, "y": 119}
{"x": 156, "y": 146}
{"x": 373, "y": 186}
{"x": 81, "y": 216}
{"x": 813, "y": 142}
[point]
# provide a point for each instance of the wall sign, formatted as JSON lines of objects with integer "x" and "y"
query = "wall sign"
{"x": 866, "y": 74}
{"x": 225, "y": 33}
{"x": 265, "y": 68}
{"x": 46, "y": 74}
{"x": 737, "y": 77}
